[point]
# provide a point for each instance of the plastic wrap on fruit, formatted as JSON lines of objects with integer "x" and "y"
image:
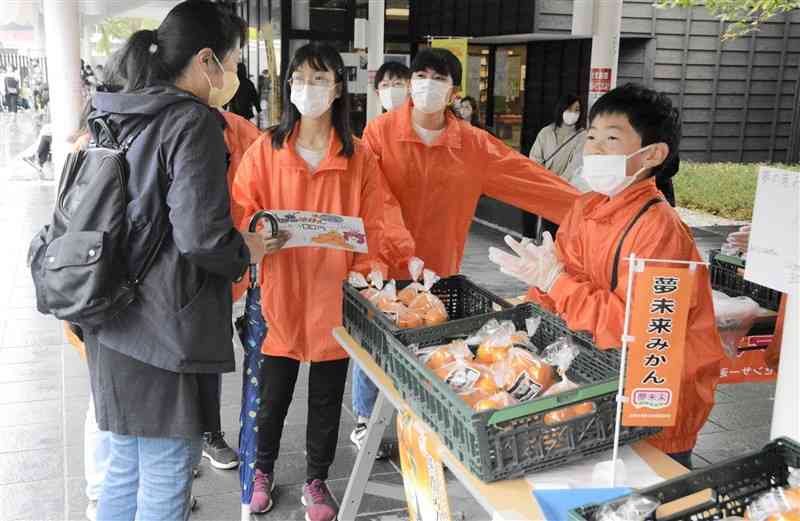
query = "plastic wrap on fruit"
{"x": 523, "y": 374}
{"x": 495, "y": 340}
{"x": 560, "y": 355}
{"x": 635, "y": 508}
{"x": 407, "y": 294}
{"x": 427, "y": 304}
{"x": 467, "y": 376}
{"x": 387, "y": 298}
{"x": 776, "y": 505}
{"x": 499, "y": 400}
{"x": 436, "y": 357}
{"x": 374, "y": 283}
{"x": 735, "y": 316}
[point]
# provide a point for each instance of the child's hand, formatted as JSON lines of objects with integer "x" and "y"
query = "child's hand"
{"x": 537, "y": 266}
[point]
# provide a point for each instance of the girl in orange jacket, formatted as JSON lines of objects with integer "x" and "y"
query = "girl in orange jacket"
{"x": 311, "y": 162}
{"x": 239, "y": 135}
{"x": 576, "y": 277}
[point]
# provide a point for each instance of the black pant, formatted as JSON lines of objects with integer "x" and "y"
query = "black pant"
{"x": 326, "y": 384}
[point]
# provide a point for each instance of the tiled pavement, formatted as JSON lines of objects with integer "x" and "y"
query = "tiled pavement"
{"x": 44, "y": 388}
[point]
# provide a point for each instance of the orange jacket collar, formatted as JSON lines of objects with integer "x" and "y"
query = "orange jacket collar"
{"x": 451, "y": 137}
{"x": 600, "y": 206}
{"x": 334, "y": 160}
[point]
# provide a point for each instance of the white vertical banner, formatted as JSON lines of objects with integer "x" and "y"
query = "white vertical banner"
{"x": 605, "y": 48}
{"x": 773, "y": 260}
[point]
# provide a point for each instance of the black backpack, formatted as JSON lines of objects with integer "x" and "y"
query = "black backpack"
{"x": 79, "y": 261}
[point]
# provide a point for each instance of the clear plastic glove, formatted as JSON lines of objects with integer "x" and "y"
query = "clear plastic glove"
{"x": 740, "y": 239}
{"x": 537, "y": 266}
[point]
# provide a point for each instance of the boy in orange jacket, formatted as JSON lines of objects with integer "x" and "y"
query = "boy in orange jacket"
{"x": 576, "y": 276}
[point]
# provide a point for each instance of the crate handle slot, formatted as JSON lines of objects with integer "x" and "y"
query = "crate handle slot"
{"x": 685, "y": 506}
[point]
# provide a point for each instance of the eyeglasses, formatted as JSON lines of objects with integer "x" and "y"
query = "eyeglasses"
{"x": 315, "y": 82}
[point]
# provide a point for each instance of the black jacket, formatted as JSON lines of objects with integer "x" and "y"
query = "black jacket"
{"x": 181, "y": 321}
{"x": 245, "y": 99}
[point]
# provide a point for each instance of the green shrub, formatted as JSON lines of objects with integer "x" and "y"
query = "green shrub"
{"x": 723, "y": 189}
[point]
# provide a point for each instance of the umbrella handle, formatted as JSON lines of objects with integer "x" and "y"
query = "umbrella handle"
{"x": 273, "y": 224}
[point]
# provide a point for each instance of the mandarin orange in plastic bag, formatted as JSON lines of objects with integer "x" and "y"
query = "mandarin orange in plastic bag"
{"x": 409, "y": 293}
{"x": 465, "y": 376}
{"x": 523, "y": 374}
{"x": 499, "y": 400}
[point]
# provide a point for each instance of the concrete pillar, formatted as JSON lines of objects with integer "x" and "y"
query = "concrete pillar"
{"x": 582, "y": 17}
{"x": 605, "y": 48}
{"x": 62, "y": 26}
{"x": 377, "y": 11}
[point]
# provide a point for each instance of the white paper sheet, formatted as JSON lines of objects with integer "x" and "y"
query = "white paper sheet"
{"x": 773, "y": 258}
{"x": 579, "y": 475}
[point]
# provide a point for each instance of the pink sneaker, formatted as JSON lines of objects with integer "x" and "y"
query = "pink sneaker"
{"x": 319, "y": 502}
{"x": 263, "y": 485}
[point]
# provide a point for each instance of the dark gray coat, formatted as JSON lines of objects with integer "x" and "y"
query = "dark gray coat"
{"x": 181, "y": 321}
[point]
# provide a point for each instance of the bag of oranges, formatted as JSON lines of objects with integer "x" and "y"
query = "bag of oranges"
{"x": 523, "y": 374}
{"x": 369, "y": 289}
{"x": 438, "y": 356}
{"x": 410, "y": 292}
{"x": 780, "y": 504}
{"x": 428, "y": 305}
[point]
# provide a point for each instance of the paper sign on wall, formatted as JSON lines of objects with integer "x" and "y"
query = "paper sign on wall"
{"x": 661, "y": 301}
{"x": 322, "y": 230}
{"x": 773, "y": 259}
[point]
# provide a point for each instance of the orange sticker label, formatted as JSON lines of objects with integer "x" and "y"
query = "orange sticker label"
{"x": 659, "y": 316}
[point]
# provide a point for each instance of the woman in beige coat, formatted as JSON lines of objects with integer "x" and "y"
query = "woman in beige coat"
{"x": 558, "y": 146}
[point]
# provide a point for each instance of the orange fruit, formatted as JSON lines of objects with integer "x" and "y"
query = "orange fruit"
{"x": 408, "y": 319}
{"x": 568, "y": 413}
{"x": 408, "y": 294}
{"x": 489, "y": 354}
{"x": 499, "y": 400}
{"x": 791, "y": 515}
{"x": 435, "y": 316}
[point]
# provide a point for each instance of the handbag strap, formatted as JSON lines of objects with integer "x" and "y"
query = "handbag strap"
{"x": 642, "y": 210}
{"x": 560, "y": 147}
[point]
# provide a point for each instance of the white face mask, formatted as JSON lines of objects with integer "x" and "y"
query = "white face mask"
{"x": 393, "y": 97}
{"x": 570, "y": 118}
{"x": 312, "y": 100}
{"x": 606, "y": 174}
{"x": 430, "y": 96}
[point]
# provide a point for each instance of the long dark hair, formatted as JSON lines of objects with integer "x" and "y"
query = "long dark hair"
{"x": 563, "y": 104}
{"x": 162, "y": 54}
{"x": 320, "y": 57}
{"x": 475, "y": 120}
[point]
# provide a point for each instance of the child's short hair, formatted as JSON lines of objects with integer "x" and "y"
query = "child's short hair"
{"x": 441, "y": 61}
{"x": 650, "y": 113}
{"x": 392, "y": 70}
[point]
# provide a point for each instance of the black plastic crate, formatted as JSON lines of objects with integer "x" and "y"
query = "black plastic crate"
{"x": 733, "y": 484}
{"x": 725, "y": 278}
{"x": 368, "y": 325}
{"x": 516, "y": 440}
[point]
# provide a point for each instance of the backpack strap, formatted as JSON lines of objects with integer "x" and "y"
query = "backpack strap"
{"x": 642, "y": 210}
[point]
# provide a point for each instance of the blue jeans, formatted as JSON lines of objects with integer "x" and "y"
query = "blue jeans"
{"x": 149, "y": 479}
{"x": 364, "y": 393}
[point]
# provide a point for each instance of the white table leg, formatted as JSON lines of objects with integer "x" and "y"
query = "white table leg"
{"x": 381, "y": 415}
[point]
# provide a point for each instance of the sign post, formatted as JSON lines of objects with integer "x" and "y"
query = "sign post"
{"x": 654, "y": 332}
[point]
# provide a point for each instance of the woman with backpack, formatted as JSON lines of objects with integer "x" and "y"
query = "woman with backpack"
{"x": 155, "y": 368}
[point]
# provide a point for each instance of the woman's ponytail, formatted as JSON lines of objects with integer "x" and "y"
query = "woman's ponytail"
{"x": 136, "y": 61}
